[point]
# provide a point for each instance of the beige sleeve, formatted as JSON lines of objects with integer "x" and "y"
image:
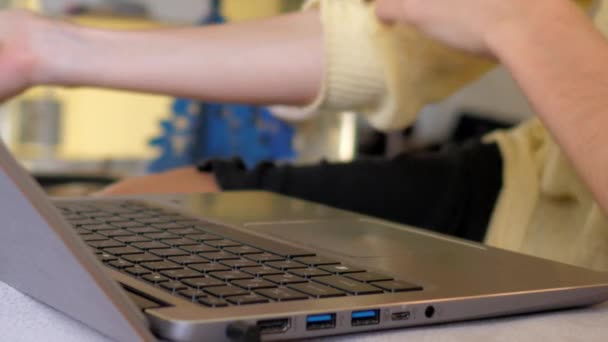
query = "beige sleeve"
{"x": 386, "y": 73}
{"x": 353, "y": 78}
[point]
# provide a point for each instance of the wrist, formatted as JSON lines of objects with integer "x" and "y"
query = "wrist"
{"x": 58, "y": 50}
{"x": 544, "y": 24}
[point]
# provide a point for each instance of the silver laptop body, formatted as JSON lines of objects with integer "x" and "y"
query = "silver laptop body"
{"x": 42, "y": 255}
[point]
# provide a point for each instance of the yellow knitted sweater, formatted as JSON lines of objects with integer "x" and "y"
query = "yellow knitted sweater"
{"x": 389, "y": 73}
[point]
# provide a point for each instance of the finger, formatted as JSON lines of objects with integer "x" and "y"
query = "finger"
{"x": 116, "y": 189}
{"x": 389, "y": 11}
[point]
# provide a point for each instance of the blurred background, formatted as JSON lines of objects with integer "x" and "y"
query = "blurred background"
{"x": 76, "y": 140}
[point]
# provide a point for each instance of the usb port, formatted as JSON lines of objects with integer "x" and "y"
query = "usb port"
{"x": 400, "y": 316}
{"x": 274, "y": 326}
{"x": 366, "y": 317}
{"x": 324, "y": 321}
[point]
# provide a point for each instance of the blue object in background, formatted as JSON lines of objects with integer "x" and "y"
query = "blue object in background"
{"x": 198, "y": 131}
{"x": 248, "y": 132}
{"x": 203, "y": 131}
{"x": 177, "y": 139}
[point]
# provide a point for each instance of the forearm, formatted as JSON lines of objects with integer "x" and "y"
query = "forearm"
{"x": 561, "y": 62}
{"x": 272, "y": 61}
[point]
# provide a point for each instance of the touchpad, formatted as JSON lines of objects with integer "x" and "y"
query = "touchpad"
{"x": 355, "y": 238}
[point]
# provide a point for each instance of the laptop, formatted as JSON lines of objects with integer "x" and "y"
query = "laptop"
{"x": 249, "y": 266}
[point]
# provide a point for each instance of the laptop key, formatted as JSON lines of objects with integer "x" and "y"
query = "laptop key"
{"x": 155, "y": 278}
{"x": 253, "y": 284}
{"x": 149, "y": 245}
{"x": 239, "y": 263}
{"x": 132, "y": 239}
{"x": 113, "y": 219}
{"x": 82, "y": 231}
{"x": 173, "y": 286}
{"x": 213, "y": 302}
{"x": 171, "y": 225}
{"x": 168, "y": 252}
{"x": 94, "y": 237}
{"x": 85, "y": 210}
{"x": 397, "y": 286}
{"x": 161, "y": 266}
{"x": 284, "y": 279}
{"x": 317, "y": 290}
{"x": 188, "y": 260}
{"x": 137, "y": 271}
{"x": 204, "y": 237}
{"x": 347, "y": 285}
{"x": 99, "y": 214}
{"x": 261, "y": 271}
{"x": 223, "y": 243}
{"x": 288, "y": 252}
{"x": 84, "y": 222}
{"x": 127, "y": 224}
{"x": 116, "y": 210}
{"x": 98, "y": 227}
{"x": 144, "y": 230}
{"x": 140, "y": 258}
{"x": 316, "y": 261}
{"x": 185, "y": 231}
{"x": 219, "y": 256}
{"x": 208, "y": 267}
{"x": 181, "y": 274}
{"x": 341, "y": 269}
{"x": 122, "y": 250}
{"x": 243, "y": 250}
{"x": 150, "y": 220}
{"x": 282, "y": 294}
{"x": 180, "y": 242}
{"x": 230, "y": 275}
{"x": 264, "y": 257}
{"x": 161, "y": 236}
{"x": 135, "y": 215}
{"x": 286, "y": 265}
{"x": 120, "y": 264}
{"x": 202, "y": 282}
{"x": 115, "y": 233}
{"x": 105, "y": 257}
{"x": 192, "y": 294}
{"x": 105, "y": 244}
{"x": 248, "y": 299}
{"x": 195, "y": 249}
{"x": 309, "y": 272}
{"x": 226, "y": 291}
{"x": 368, "y": 277}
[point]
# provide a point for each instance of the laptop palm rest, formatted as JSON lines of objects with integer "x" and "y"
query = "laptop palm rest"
{"x": 359, "y": 238}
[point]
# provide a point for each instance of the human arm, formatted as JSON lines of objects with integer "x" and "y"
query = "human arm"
{"x": 553, "y": 51}
{"x": 182, "y": 180}
{"x": 272, "y": 61}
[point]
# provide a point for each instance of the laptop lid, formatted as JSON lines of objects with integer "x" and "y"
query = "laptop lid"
{"x": 41, "y": 257}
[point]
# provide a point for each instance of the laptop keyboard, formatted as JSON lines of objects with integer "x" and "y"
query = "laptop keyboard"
{"x": 188, "y": 258}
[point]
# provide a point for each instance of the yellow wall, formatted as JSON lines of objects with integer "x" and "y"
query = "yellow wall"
{"x": 236, "y": 10}
{"x": 114, "y": 124}
{"x": 109, "y": 124}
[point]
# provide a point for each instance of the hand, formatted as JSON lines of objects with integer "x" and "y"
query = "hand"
{"x": 34, "y": 50}
{"x": 469, "y": 24}
{"x": 186, "y": 180}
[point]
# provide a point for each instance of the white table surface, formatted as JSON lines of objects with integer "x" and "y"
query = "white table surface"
{"x": 23, "y": 320}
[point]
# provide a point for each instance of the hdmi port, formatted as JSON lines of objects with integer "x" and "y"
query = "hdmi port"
{"x": 274, "y": 326}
